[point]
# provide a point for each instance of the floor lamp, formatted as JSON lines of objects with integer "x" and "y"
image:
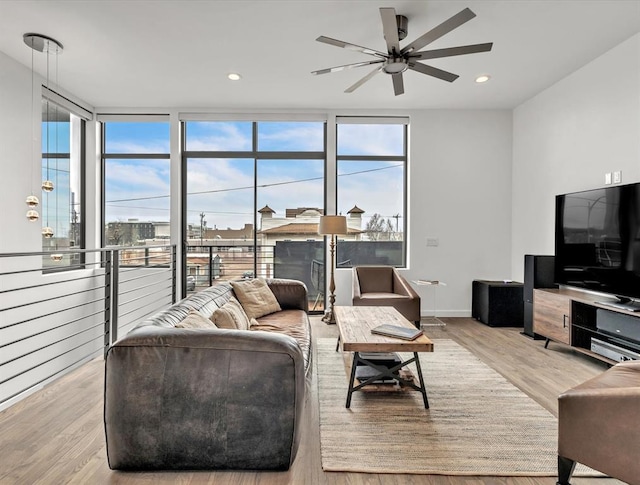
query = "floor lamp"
{"x": 333, "y": 226}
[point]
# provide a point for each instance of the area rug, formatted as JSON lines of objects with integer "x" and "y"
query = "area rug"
{"x": 478, "y": 423}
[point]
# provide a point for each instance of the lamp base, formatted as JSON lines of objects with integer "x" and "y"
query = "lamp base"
{"x": 329, "y": 318}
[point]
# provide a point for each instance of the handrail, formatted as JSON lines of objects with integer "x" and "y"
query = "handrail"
{"x": 50, "y": 326}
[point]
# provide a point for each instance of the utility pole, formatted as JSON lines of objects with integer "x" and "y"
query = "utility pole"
{"x": 203, "y": 224}
{"x": 396, "y": 217}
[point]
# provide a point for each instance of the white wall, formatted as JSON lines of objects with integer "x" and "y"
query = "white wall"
{"x": 20, "y": 158}
{"x": 18, "y": 162}
{"x": 567, "y": 137}
{"x": 459, "y": 193}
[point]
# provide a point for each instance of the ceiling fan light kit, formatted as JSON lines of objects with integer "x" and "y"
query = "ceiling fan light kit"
{"x": 396, "y": 60}
{"x": 395, "y": 65}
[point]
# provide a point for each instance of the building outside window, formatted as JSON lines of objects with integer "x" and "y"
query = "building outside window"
{"x": 371, "y": 156}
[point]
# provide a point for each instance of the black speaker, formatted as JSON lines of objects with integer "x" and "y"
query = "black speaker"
{"x": 538, "y": 273}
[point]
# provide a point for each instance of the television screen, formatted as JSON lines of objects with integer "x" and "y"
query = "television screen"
{"x": 598, "y": 240}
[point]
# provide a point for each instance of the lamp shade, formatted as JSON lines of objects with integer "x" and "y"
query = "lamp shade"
{"x": 332, "y": 225}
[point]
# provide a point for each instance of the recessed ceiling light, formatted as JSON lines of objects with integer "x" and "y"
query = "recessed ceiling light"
{"x": 234, "y": 76}
{"x": 483, "y": 78}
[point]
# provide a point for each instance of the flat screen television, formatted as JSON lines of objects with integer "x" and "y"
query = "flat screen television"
{"x": 598, "y": 242}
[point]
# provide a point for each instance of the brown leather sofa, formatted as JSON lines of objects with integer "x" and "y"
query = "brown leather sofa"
{"x": 599, "y": 425}
{"x": 209, "y": 398}
{"x": 384, "y": 286}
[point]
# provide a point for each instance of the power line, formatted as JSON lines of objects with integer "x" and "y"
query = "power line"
{"x": 251, "y": 186}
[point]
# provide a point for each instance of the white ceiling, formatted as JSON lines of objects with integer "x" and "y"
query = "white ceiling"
{"x": 176, "y": 54}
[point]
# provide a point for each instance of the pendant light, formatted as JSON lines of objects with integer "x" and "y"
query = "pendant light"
{"x": 49, "y": 45}
{"x": 40, "y": 43}
{"x": 43, "y": 43}
{"x": 33, "y": 215}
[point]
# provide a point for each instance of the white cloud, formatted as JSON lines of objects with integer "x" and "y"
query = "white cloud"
{"x": 224, "y": 137}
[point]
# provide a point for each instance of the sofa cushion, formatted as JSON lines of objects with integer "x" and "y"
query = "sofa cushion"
{"x": 195, "y": 319}
{"x": 256, "y": 297}
{"x": 231, "y": 315}
{"x": 293, "y": 323}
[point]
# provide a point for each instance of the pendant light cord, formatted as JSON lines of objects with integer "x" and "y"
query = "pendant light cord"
{"x": 48, "y": 152}
{"x": 32, "y": 121}
{"x": 57, "y": 122}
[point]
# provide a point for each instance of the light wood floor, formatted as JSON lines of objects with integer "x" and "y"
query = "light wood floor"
{"x": 56, "y": 435}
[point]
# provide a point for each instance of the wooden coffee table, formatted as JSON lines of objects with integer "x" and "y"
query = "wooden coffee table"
{"x": 355, "y": 324}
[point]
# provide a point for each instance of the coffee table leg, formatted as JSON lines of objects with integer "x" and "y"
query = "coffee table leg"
{"x": 422, "y": 388}
{"x": 352, "y": 378}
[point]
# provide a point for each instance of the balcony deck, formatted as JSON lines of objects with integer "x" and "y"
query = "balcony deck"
{"x": 56, "y": 434}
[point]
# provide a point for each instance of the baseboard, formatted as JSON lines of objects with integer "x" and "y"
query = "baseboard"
{"x": 446, "y": 313}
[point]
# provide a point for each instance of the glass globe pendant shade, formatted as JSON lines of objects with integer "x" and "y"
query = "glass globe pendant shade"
{"x": 47, "y": 185}
{"x": 33, "y": 215}
{"x": 47, "y": 232}
{"x": 56, "y": 257}
{"x": 32, "y": 201}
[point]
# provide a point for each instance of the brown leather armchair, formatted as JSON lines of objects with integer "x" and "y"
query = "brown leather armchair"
{"x": 599, "y": 425}
{"x": 384, "y": 286}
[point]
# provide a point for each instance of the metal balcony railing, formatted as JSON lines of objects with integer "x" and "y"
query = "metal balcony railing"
{"x": 54, "y": 318}
{"x": 209, "y": 264}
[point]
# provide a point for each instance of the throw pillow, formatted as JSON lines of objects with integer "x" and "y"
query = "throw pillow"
{"x": 231, "y": 315}
{"x": 195, "y": 319}
{"x": 256, "y": 297}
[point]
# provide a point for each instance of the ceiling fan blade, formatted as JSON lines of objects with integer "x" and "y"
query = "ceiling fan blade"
{"x": 346, "y": 66}
{"x": 390, "y": 29}
{"x": 352, "y": 88}
{"x": 346, "y": 45}
{"x": 444, "y": 28}
{"x": 452, "y": 51}
{"x": 398, "y": 84}
{"x": 433, "y": 71}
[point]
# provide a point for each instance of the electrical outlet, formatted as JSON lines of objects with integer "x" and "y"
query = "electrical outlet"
{"x": 432, "y": 242}
{"x": 617, "y": 177}
{"x": 607, "y": 178}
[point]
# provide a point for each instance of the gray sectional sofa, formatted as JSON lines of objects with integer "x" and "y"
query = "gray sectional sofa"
{"x": 209, "y": 398}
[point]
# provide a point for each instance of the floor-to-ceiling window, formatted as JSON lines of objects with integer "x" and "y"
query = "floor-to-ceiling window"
{"x": 63, "y": 134}
{"x": 254, "y": 192}
{"x": 136, "y": 181}
{"x": 371, "y": 161}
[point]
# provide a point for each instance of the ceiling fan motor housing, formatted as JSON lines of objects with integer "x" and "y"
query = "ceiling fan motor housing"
{"x": 403, "y": 26}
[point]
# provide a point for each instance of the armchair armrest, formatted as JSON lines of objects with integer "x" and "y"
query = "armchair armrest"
{"x": 356, "y": 292}
{"x": 402, "y": 287}
{"x": 291, "y": 294}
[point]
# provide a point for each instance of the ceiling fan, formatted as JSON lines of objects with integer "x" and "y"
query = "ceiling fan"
{"x": 396, "y": 60}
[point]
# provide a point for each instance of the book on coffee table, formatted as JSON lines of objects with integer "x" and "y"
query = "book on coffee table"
{"x": 396, "y": 331}
{"x": 387, "y": 359}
